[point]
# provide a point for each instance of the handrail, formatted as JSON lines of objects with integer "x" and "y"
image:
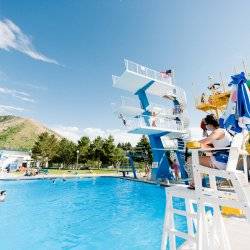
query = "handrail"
{"x": 147, "y": 72}
{"x": 153, "y": 122}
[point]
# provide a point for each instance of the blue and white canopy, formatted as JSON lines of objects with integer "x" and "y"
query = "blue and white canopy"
{"x": 237, "y": 114}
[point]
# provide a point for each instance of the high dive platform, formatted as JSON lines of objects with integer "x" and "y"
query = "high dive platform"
{"x": 140, "y": 116}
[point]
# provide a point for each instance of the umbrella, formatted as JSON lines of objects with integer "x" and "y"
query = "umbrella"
{"x": 237, "y": 114}
{"x": 242, "y": 101}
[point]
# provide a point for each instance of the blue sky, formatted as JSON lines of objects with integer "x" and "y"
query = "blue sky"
{"x": 61, "y": 72}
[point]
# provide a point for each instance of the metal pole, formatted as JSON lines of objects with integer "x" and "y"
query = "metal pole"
{"x": 245, "y": 67}
{"x": 77, "y": 157}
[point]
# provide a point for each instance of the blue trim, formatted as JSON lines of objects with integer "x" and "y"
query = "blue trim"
{"x": 131, "y": 163}
{"x": 160, "y": 157}
{"x": 155, "y": 140}
{"x": 145, "y": 87}
{"x": 181, "y": 159}
{"x": 221, "y": 156}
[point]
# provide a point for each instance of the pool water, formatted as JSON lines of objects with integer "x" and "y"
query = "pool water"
{"x": 89, "y": 213}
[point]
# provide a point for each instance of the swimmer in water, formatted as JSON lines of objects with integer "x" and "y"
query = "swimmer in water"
{"x": 2, "y": 195}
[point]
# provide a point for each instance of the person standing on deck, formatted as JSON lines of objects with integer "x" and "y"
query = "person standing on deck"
{"x": 176, "y": 170}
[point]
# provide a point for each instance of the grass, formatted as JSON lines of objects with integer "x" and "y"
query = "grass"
{"x": 70, "y": 172}
{"x": 7, "y": 133}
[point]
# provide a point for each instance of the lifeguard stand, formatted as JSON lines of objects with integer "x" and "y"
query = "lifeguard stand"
{"x": 142, "y": 117}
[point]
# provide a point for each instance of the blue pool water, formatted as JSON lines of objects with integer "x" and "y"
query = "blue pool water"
{"x": 89, "y": 213}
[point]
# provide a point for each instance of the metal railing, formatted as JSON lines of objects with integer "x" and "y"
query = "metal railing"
{"x": 115, "y": 79}
{"x": 152, "y": 122}
{"x": 147, "y": 72}
{"x": 173, "y": 90}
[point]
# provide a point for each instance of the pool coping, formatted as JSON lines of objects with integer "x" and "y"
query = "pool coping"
{"x": 79, "y": 176}
{"x": 61, "y": 176}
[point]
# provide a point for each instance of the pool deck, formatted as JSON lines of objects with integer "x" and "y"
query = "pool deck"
{"x": 238, "y": 231}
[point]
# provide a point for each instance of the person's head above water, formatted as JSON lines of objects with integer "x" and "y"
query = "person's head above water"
{"x": 211, "y": 122}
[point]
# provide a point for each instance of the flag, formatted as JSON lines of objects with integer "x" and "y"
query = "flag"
{"x": 167, "y": 73}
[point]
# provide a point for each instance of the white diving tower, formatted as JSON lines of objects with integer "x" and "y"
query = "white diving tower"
{"x": 139, "y": 116}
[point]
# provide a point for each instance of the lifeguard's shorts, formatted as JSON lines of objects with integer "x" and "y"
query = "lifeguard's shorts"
{"x": 217, "y": 164}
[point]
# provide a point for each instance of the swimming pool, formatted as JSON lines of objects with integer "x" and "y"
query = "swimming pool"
{"x": 89, "y": 213}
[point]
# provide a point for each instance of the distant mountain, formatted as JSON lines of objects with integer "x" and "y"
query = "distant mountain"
{"x": 20, "y": 133}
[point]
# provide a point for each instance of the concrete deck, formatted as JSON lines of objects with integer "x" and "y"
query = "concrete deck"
{"x": 238, "y": 232}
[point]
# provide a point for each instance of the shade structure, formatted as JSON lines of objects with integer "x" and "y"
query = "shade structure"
{"x": 237, "y": 114}
{"x": 243, "y": 100}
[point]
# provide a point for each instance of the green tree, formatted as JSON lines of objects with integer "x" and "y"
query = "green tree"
{"x": 45, "y": 148}
{"x": 96, "y": 151}
{"x": 108, "y": 151}
{"x": 83, "y": 147}
{"x": 125, "y": 146}
{"x": 143, "y": 149}
{"x": 66, "y": 152}
{"x": 119, "y": 157}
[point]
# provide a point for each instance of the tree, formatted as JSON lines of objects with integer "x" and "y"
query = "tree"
{"x": 143, "y": 148}
{"x": 108, "y": 151}
{"x": 45, "y": 148}
{"x": 66, "y": 152}
{"x": 119, "y": 157}
{"x": 96, "y": 151}
{"x": 83, "y": 147}
{"x": 125, "y": 146}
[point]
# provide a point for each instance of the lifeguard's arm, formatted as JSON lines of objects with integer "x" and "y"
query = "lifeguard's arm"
{"x": 211, "y": 138}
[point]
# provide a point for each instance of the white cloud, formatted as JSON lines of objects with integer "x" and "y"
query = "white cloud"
{"x": 71, "y": 133}
{"x": 74, "y": 133}
{"x": 4, "y": 109}
{"x": 12, "y": 37}
{"x": 18, "y": 94}
{"x": 118, "y": 134}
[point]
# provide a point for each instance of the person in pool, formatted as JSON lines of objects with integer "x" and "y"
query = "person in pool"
{"x": 2, "y": 195}
{"x": 218, "y": 138}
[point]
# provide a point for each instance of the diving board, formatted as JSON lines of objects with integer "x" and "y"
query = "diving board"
{"x": 137, "y": 76}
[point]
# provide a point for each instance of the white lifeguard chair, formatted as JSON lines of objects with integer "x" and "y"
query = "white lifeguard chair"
{"x": 207, "y": 230}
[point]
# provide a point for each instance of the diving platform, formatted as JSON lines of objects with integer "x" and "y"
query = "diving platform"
{"x": 130, "y": 107}
{"x": 137, "y": 76}
{"x": 149, "y": 125}
{"x": 156, "y": 131}
{"x": 168, "y": 121}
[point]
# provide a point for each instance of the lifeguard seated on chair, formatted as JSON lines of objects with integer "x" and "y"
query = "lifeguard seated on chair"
{"x": 218, "y": 138}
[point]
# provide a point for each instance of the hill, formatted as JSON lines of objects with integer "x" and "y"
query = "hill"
{"x": 20, "y": 133}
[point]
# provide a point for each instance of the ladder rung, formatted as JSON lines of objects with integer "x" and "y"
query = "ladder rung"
{"x": 184, "y": 213}
{"x": 182, "y": 235}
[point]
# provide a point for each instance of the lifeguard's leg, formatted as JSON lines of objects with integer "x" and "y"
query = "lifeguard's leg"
{"x": 206, "y": 161}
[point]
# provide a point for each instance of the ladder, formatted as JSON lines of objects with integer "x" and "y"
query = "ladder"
{"x": 205, "y": 229}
